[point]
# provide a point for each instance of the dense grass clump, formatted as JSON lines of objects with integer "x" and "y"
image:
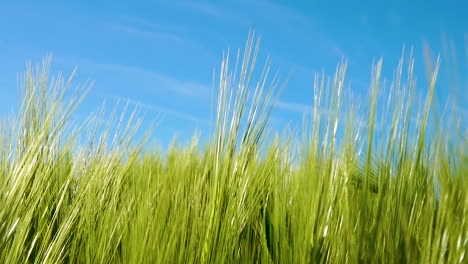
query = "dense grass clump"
{"x": 347, "y": 191}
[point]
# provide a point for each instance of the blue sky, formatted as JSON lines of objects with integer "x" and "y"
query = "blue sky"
{"x": 162, "y": 54}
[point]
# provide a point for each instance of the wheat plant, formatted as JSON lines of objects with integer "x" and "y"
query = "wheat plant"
{"x": 377, "y": 181}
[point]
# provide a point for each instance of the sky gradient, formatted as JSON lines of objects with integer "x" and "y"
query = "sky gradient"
{"x": 162, "y": 54}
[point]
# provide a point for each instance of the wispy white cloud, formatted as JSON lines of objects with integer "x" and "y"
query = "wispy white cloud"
{"x": 144, "y": 33}
{"x": 177, "y": 34}
{"x": 300, "y": 22}
{"x": 161, "y": 81}
{"x": 293, "y": 106}
{"x": 155, "y": 25}
{"x": 285, "y": 11}
{"x": 215, "y": 12}
{"x": 300, "y": 107}
{"x": 157, "y": 80}
{"x": 155, "y": 108}
{"x": 294, "y": 66}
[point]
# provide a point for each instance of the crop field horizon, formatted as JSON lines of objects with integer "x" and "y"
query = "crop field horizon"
{"x": 379, "y": 180}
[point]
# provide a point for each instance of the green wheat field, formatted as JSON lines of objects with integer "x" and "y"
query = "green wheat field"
{"x": 338, "y": 189}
